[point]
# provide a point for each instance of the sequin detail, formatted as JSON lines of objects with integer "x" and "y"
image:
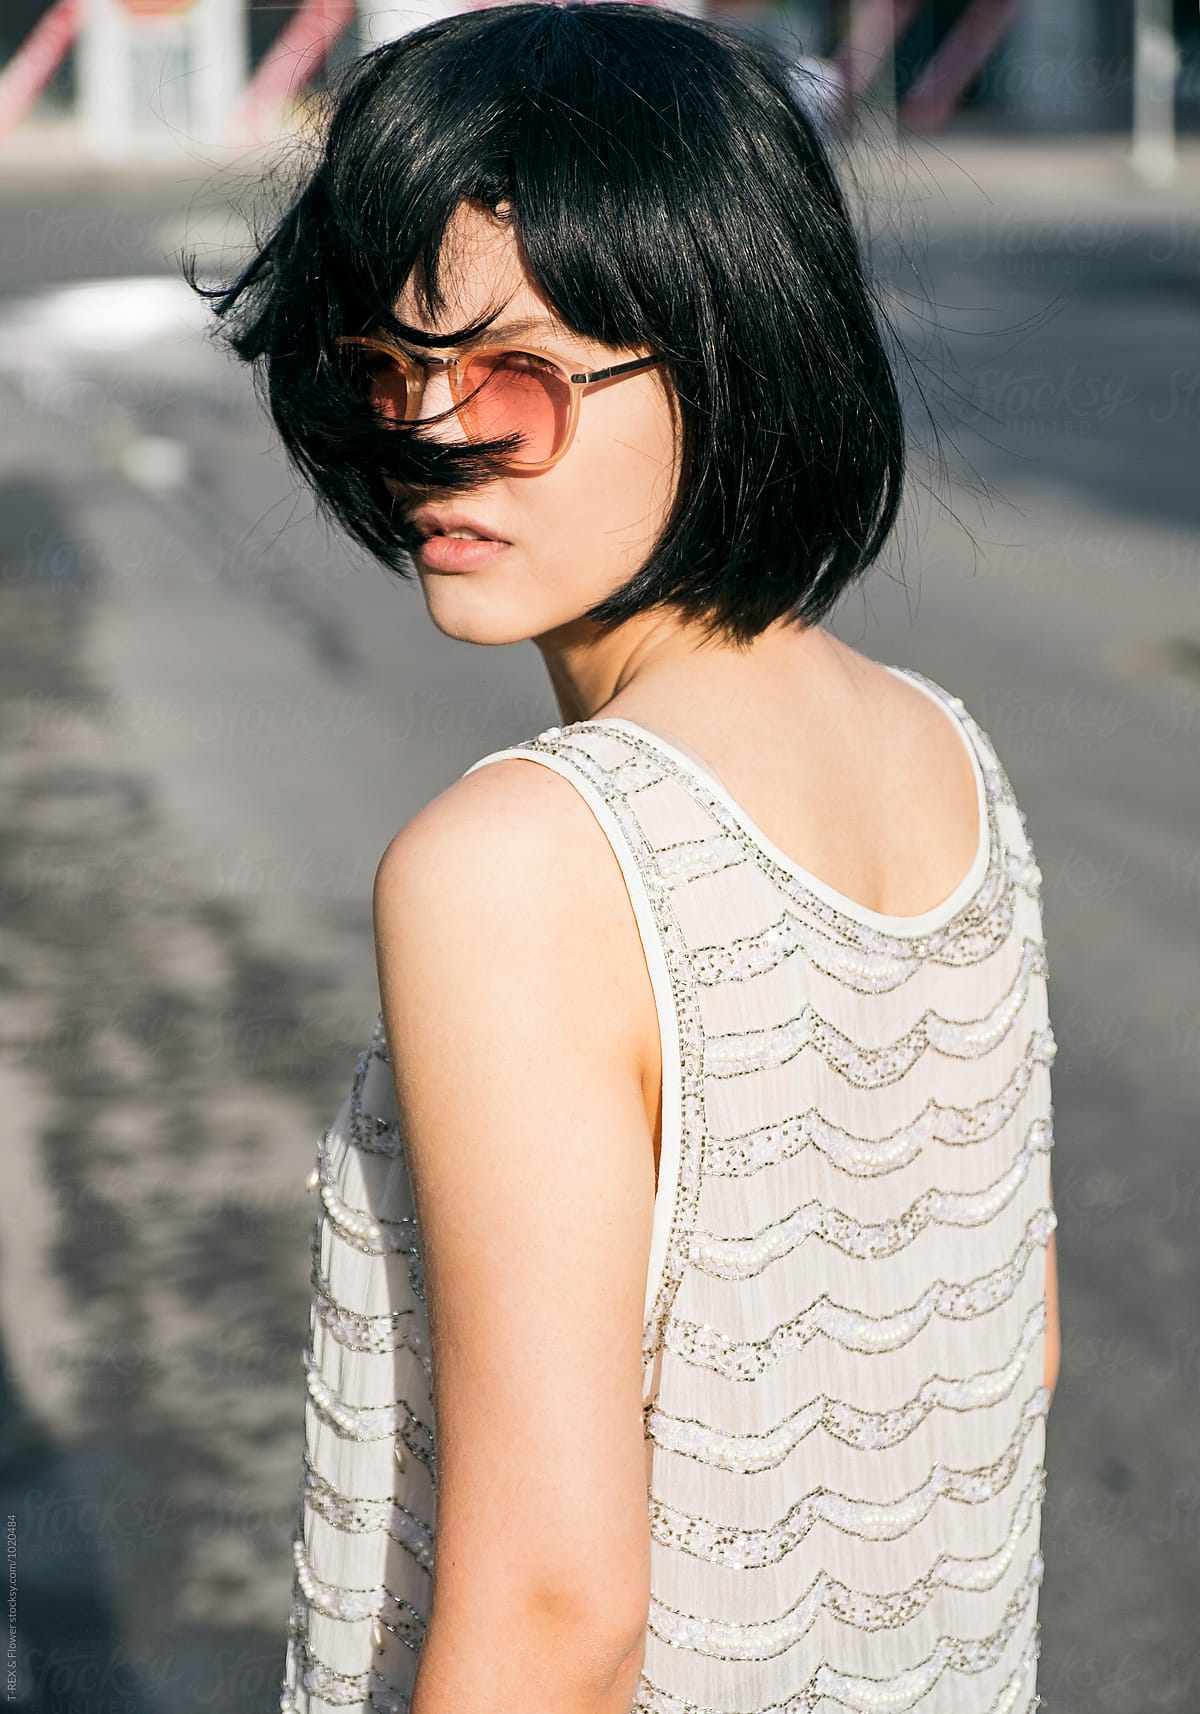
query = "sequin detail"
{"x": 337, "y": 1602}
{"x": 368, "y": 1422}
{"x": 357, "y": 1332}
{"x": 742, "y": 1258}
{"x": 365, "y": 1690}
{"x": 768, "y": 1145}
{"x": 749, "y": 1359}
{"x": 752, "y": 1050}
{"x": 354, "y": 1226}
{"x": 844, "y": 1316}
{"x": 764, "y": 1639}
{"x": 749, "y": 1549}
{"x": 746, "y": 1454}
{"x": 866, "y": 970}
{"x": 369, "y": 1517}
{"x": 904, "y": 1690}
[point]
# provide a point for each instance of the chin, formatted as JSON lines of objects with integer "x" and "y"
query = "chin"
{"x": 460, "y": 609}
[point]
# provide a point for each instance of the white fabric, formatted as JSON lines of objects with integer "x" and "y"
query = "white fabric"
{"x": 845, "y": 1305}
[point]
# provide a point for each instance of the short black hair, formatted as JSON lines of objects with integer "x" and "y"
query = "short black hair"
{"x": 669, "y": 191}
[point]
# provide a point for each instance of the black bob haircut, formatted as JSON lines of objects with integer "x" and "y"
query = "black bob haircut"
{"x": 668, "y": 191}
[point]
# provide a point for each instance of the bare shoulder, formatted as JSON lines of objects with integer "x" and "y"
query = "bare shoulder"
{"x": 511, "y": 829}
{"x": 897, "y": 698}
{"x": 508, "y": 863}
{"x": 920, "y": 725}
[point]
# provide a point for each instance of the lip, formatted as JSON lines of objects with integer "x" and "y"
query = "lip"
{"x": 436, "y": 520}
{"x": 454, "y": 553}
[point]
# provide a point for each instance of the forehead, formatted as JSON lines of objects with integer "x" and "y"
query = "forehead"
{"x": 480, "y": 270}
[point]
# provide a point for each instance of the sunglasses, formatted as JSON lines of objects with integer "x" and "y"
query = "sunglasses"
{"x": 497, "y": 392}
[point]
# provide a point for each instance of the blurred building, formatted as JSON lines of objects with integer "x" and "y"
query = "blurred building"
{"x": 170, "y": 74}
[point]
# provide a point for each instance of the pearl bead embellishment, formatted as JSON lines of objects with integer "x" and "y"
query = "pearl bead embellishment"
{"x": 844, "y": 1317}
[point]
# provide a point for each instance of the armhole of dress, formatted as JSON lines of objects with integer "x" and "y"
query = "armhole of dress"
{"x": 664, "y": 1003}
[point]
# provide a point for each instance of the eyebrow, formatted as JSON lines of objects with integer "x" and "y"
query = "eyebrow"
{"x": 504, "y": 330}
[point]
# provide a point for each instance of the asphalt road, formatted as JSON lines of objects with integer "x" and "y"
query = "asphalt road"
{"x": 214, "y": 716}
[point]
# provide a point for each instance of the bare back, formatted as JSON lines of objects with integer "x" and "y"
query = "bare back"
{"x": 855, "y": 775}
{"x": 847, "y": 768}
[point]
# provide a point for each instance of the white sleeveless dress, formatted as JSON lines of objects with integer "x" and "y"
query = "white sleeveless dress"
{"x": 845, "y": 1306}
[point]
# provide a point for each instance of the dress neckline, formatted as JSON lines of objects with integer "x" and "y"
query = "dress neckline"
{"x": 698, "y": 771}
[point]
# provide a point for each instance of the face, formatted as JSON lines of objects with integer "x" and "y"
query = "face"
{"x": 576, "y": 533}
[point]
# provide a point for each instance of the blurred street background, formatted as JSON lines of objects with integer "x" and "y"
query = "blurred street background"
{"x": 215, "y": 712}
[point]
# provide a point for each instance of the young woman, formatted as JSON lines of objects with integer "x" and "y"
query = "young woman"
{"x": 685, "y": 1250}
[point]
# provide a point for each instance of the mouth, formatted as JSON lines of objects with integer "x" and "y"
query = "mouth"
{"x": 457, "y": 551}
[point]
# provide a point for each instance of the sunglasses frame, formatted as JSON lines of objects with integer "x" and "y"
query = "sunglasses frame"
{"x": 416, "y": 370}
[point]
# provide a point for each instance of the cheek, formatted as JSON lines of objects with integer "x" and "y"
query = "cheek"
{"x": 621, "y": 472}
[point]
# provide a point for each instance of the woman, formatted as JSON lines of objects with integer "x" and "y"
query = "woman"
{"x": 686, "y": 1236}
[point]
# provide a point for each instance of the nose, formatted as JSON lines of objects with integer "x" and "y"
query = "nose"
{"x": 437, "y": 398}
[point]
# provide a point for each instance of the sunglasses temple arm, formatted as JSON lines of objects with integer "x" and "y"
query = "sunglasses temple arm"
{"x": 617, "y": 369}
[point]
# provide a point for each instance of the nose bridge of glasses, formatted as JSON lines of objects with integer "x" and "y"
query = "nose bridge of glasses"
{"x": 431, "y": 379}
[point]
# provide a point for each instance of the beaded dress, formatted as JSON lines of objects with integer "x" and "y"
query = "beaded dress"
{"x": 845, "y": 1307}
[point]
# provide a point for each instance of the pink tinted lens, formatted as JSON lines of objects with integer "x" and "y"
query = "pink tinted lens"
{"x": 514, "y": 392}
{"x": 379, "y": 378}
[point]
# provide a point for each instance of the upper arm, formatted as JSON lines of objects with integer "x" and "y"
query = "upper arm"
{"x": 510, "y": 998}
